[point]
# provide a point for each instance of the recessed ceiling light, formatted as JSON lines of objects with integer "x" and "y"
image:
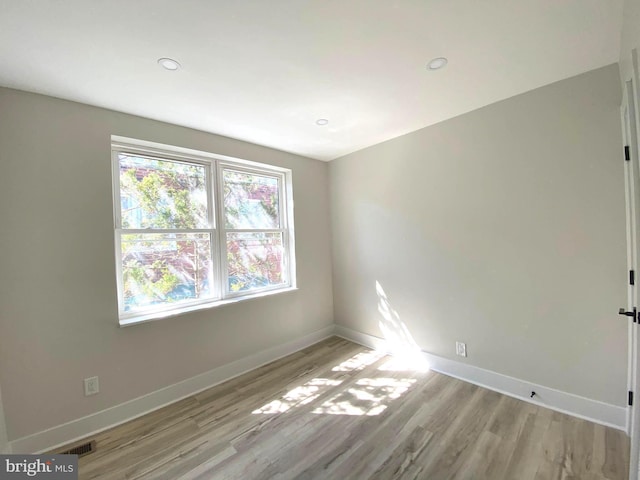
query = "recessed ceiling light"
{"x": 168, "y": 63}
{"x": 437, "y": 63}
{"x": 322, "y": 121}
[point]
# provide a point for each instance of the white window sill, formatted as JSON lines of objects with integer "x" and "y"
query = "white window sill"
{"x": 150, "y": 317}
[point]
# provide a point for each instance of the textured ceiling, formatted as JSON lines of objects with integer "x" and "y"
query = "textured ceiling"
{"x": 264, "y": 71}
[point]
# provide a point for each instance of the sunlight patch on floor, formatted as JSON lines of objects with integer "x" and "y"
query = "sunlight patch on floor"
{"x": 359, "y": 361}
{"x": 403, "y": 364}
{"x": 369, "y": 396}
{"x": 301, "y": 395}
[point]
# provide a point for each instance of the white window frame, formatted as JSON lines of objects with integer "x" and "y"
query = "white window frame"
{"x": 214, "y": 165}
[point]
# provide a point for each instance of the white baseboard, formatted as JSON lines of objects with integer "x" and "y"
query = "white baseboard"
{"x": 575, "y": 405}
{"x": 592, "y": 410}
{"x": 105, "y": 419}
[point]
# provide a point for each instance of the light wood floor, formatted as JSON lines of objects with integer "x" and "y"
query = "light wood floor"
{"x": 338, "y": 411}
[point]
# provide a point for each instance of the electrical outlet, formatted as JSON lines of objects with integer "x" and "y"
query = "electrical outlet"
{"x": 91, "y": 386}
{"x": 461, "y": 349}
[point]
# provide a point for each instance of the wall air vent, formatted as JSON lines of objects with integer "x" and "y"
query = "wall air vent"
{"x": 81, "y": 450}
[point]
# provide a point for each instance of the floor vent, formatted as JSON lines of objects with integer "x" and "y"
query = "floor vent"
{"x": 81, "y": 450}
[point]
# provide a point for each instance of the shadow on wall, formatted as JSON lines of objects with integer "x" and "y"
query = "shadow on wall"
{"x": 398, "y": 338}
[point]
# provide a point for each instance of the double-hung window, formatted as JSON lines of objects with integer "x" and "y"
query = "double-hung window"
{"x": 194, "y": 229}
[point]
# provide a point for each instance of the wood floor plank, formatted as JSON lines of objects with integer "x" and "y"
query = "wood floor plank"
{"x": 337, "y": 410}
{"x": 527, "y": 452}
{"x": 405, "y": 454}
{"x": 616, "y": 447}
{"x": 375, "y": 447}
{"x": 475, "y": 467}
{"x": 457, "y": 442}
{"x": 506, "y": 425}
{"x": 371, "y": 441}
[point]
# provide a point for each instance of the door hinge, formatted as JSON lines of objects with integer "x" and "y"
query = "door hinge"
{"x": 632, "y": 277}
{"x": 627, "y": 154}
{"x": 630, "y": 402}
{"x": 632, "y": 313}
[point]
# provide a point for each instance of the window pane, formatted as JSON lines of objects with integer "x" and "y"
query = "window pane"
{"x": 255, "y": 260}
{"x": 250, "y": 200}
{"x": 165, "y": 268}
{"x": 161, "y": 193}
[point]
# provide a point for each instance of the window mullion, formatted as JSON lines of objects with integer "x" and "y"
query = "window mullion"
{"x": 222, "y": 234}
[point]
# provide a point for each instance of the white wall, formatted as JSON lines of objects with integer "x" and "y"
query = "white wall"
{"x": 58, "y": 309}
{"x": 630, "y": 36}
{"x": 503, "y": 228}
